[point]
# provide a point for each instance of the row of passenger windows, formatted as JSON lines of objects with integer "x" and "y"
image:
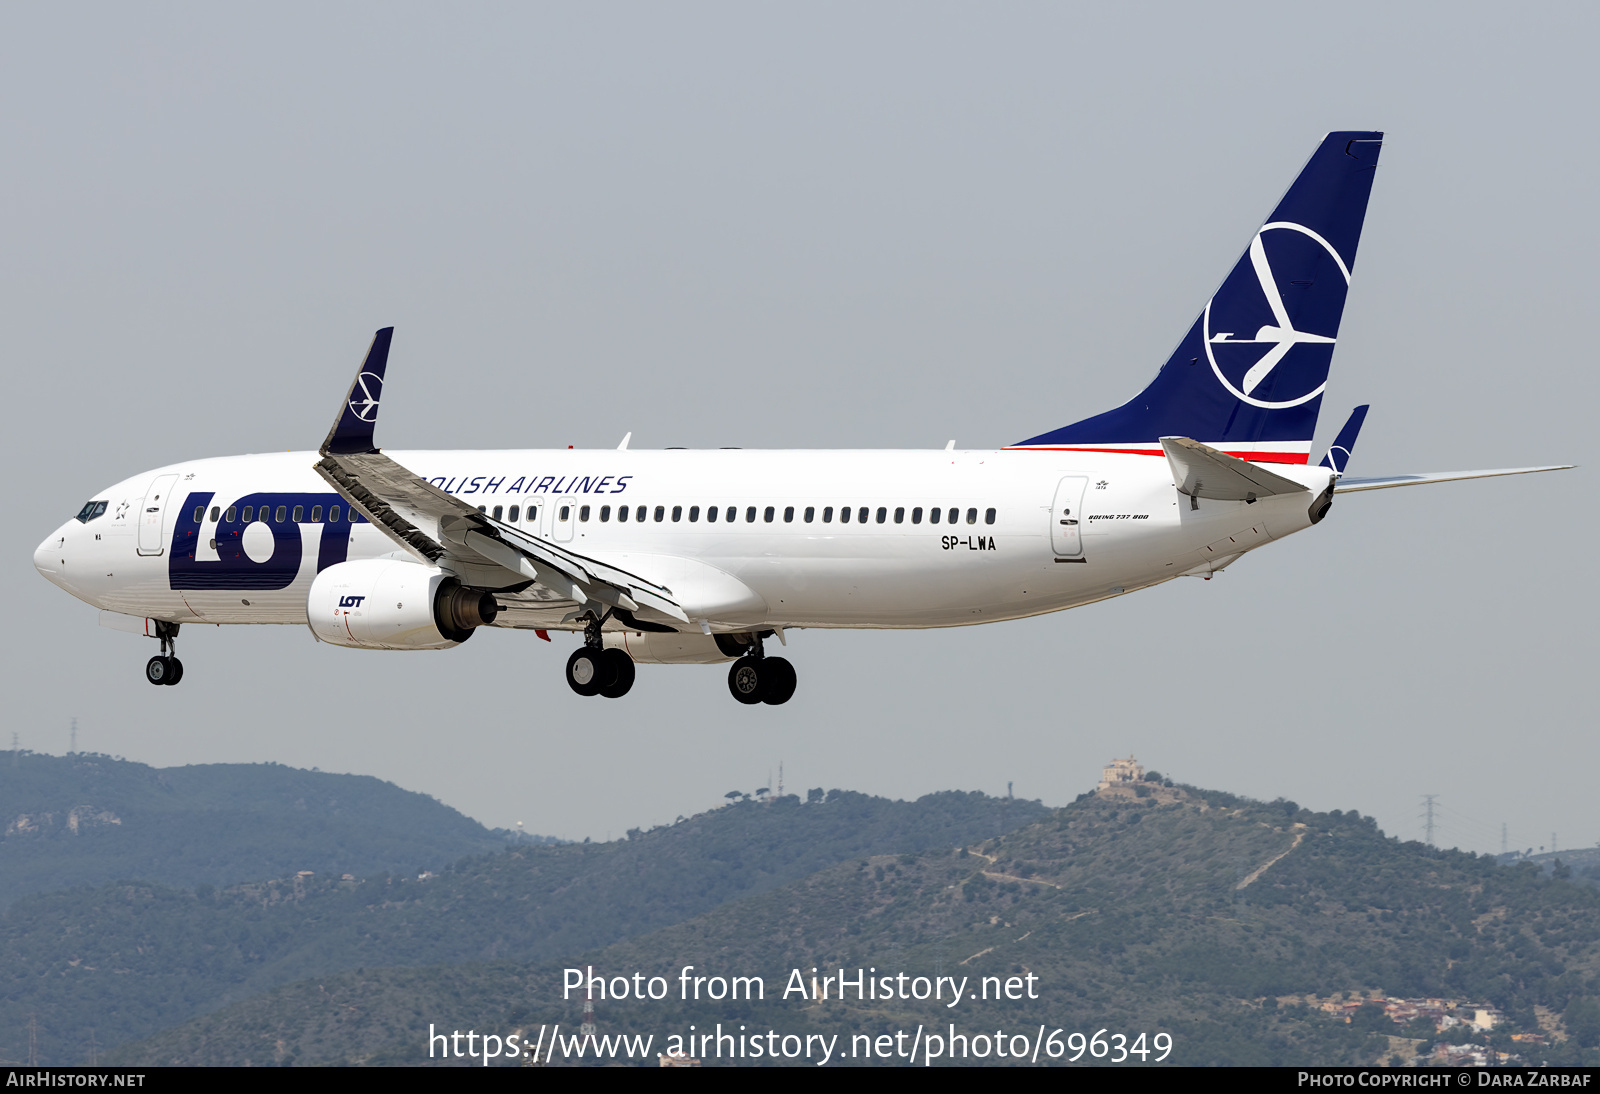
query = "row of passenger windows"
{"x": 639, "y": 514}
{"x": 767, "y": 515}
{"x": 514, "y": 515}
{"x": 278, "y": 516}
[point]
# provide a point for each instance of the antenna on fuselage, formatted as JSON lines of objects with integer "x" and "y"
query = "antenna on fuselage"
{"x": 950, "y": 445}
{"x": 626, "y": 437}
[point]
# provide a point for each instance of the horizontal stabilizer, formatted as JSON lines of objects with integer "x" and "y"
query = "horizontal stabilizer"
{"x": 1349, "y": 486}
{"x": 1202, "y": 472}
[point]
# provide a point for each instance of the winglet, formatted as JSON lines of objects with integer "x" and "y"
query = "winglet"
{"x": 353, "y": 431}
{"x": 1338, "y": 457}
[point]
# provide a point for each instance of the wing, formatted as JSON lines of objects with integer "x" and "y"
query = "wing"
{"x": 1349, "y": 485}
{"x": 443, "y": 530}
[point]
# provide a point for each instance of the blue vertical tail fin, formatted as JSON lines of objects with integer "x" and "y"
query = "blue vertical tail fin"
{"x": 1248, "y": 377}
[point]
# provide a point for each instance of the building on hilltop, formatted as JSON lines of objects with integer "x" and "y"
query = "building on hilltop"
{"x": 1121, "y": 773}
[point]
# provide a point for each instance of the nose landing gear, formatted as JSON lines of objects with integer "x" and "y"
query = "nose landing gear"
{"x": 165, "y": 668}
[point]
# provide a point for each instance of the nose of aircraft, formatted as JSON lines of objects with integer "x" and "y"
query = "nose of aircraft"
{"x": 49, "y": 557}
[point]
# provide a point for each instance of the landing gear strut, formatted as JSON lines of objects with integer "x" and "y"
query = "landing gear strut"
{"x": 594, "y": 670}
{"x": 756, "y": 678}
{"x": 165, "y": 668}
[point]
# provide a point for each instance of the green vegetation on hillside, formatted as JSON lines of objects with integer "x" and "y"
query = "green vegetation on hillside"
{"x": 132, "y": 958}
{"x": 1200, "y": 914}
{"x": 87, "y": 819}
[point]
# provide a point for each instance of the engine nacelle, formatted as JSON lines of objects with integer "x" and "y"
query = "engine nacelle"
{"x": 653, "y": 648}
{"x": 392, "y": 604}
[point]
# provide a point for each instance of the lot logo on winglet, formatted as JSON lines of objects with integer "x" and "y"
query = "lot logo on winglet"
{"x": 364, "y": 396}
{"x": 1263, "y": 369}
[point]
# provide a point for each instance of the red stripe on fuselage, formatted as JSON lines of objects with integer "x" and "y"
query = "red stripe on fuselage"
{"x": 1254, "y": 457}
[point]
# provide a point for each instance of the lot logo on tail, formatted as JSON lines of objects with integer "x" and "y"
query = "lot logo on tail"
{"x": 364, "y": 396}
{"x": 1285, "y": 362}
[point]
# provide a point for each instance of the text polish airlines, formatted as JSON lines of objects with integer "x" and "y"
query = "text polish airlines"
{"x": 694, "y": 557}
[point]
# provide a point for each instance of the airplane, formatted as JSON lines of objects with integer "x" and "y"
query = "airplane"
{"x": 701, "y": 557}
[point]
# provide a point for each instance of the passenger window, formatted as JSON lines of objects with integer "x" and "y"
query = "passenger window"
{"x": 299, "y": 513}
{"x": 694, "y": 513}
{"x": 215, "y": 513}
{"x": 605, "y": 513}
{"x": 933, "y": 515}
{"x": 233, "y": 511}
{"x": 844, "y": 514}
{"x": 677, "y": 513}
{"x": 661, "y": 514}
{"x": 249, "y": 513}
{"x": 900, "y": 515}
{"x": 316, "y": 514}
{"x": 827, "y": 514}
{"x": 512, "y": 515}
{"x": 496, "y": 514}
{"x": 972, "y": 516}
{"x": 564, "y": 512}
{"x": 333, "y": 514}
{"x": 750, "y": 515}
{"x": 283, "y": 511}
{"x": 861, "y": 515}
{"x": 711, "y": 514}
{"x": 767, "y": 516}
{"x": 788, "y": 514}
{"x": 811, "y": 513}
{"x": 988, "y": 516}
{"x": 483, "y": 509}
{"x": 622, "y": 513}
{"x": 916, "y": 515}
{"x": 883, "y": 514}
{"x": 583, "y": 512}
{"x": 955, "y": 515}
{"x": 730, "y": 514}
{"x": 352, "y": 515}
{"x": 199, "y": 513}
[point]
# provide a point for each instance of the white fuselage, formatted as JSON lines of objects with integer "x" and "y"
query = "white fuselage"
{"x": 1007, "y": 554}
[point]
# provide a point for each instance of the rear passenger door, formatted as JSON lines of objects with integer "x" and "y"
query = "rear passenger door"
{"x": 1066, "y": 515}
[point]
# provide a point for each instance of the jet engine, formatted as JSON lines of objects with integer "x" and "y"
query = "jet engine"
{"x": 392, "y": 604}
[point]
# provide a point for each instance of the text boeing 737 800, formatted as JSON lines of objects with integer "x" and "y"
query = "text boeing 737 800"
{"x": 683, "y": 557}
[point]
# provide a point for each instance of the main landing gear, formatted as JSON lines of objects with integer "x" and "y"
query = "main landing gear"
{"x": 165, "y": 668}
{"x": 594, "y": 670}
{"x": 756, "y": 678}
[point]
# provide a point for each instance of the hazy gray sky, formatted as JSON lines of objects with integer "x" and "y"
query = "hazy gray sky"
{"x": 850, "y": 225}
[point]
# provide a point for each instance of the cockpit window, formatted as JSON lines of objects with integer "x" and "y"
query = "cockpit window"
{"x": 90, "y": 510}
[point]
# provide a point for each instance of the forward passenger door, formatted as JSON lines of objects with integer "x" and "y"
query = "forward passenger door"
{"x": 151, "y": 511}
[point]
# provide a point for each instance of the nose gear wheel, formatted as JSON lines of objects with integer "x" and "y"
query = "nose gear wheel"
{"x": 165, "y": 668}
